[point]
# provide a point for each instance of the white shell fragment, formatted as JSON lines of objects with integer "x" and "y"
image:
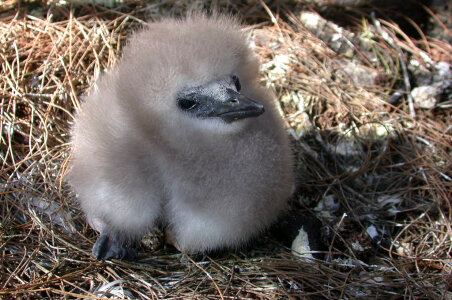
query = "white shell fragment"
{"x": 300, "y": 245}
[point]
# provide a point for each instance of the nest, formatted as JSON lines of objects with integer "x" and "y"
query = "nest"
{"x": 372, "y": 166}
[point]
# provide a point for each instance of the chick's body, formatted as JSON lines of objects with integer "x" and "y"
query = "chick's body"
{"x": 172, "y": 135}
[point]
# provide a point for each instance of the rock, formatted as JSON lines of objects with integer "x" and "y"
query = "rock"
{"x": 434, "y": 84}
{"x": 336, "y": 37}
{"x": 443, "y": 75}
{"x": 356, "y": 73}
{"x": 425, "y": 96}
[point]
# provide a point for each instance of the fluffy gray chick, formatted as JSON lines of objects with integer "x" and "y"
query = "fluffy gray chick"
{"x": 176, "y": 135}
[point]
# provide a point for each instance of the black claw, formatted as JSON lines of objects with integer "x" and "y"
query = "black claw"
{"x": 108, "y": 247}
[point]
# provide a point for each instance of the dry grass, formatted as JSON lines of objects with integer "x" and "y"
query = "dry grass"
{"x": 387, "y": 165}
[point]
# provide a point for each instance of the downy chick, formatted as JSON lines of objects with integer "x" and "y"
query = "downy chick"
{"x": 180, "y": 133}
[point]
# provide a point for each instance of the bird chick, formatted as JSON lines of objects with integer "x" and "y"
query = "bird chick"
{"x": 181, "y": 134}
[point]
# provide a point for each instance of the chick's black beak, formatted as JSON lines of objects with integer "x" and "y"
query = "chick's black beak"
{"x": 237, "y": 107}
{"x": 226, "y": 104}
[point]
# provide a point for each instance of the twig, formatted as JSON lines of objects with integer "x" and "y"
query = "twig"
{"x": 386, "y": 36}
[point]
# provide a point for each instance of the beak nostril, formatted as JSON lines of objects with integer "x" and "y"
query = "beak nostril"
{"x": 234, "y": 100}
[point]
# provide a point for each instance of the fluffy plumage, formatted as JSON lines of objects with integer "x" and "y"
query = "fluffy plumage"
{"x": 160, "y": 142}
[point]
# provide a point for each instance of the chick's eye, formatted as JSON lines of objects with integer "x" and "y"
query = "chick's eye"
{"x": 237, "y": 84}
{"x": 186, "y": 103}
